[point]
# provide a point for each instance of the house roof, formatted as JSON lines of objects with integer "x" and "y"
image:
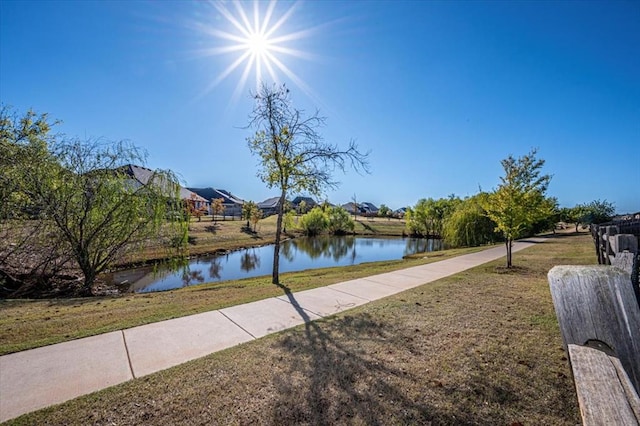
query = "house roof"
{"x": 232, "y": 198}
{"x": 269, "y": 203}
{"x": 144, "y": 175}
{"x": 350, "y": 207}
{"x": 310, "y": 202}
{"x": 211, "y": 193}
{"x": 369, "y": 206}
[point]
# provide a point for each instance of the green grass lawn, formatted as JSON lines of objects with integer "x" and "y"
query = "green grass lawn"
{"x": 479, "y": 347}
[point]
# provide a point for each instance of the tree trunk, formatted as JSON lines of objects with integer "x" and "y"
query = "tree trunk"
{"x": 509, "y": 244}
{"x": 89, "y": 279}
{"x": 275, "y": 276}
{"x": 577, "y": 227}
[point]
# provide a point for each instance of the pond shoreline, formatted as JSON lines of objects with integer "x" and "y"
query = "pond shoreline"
{"x": 296, "y": 254}
{"x": 151, "y": 260}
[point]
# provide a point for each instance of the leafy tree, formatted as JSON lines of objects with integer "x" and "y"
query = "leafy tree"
{"x": 598, "y": 212}
{"x": 550, "y": 218}
{"x": 585, "y": 214}
{"x": 25, "y": 249}
{"x": 24, "y": 144}
{"x": 217, "y": 208}
{"x": 408, "y": 220}
{"x": 315, "y": 222}
{"x": 87, "y": 211}
{"x": 416, "y": 219}
{"x": 469, "y": 225}
{"x": 338, "y": 220}
{"x": 192, "y": 208}
{"x": 288, "y": 220}
{"x": 519, "y": 200}
{"x": 427, "y": 217}
{"x": 302, "y": 207}
{"x": 100, "y": 213}
{"x": 293, "y": 156}
{"x": 384, "y": 211}
{"x": 247, "y": 210}
{"x": 572, "y": 215}
{"x": 256, "y": 215}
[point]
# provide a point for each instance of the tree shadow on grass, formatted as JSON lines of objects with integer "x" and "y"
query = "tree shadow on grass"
{"x": 211, "y": 228}
{"x": 334, "y": 377}
{"x": 247, "y": 230}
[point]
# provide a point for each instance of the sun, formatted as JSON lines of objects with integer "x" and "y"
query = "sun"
{"x": 256, "y": 42}
{"x": 259, "y": 45}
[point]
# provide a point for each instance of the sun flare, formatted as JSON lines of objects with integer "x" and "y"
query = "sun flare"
{"x": 256, "y": 42}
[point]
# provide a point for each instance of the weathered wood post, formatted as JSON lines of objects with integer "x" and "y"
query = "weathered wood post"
{"x": 597, "y": 311}
{"x": 610, "y": 232}
{"x": 594, "y": 234}
{"x": 597, "y": 303}
{"x": 602, "y": 260}
{"x": 625, "y": 257}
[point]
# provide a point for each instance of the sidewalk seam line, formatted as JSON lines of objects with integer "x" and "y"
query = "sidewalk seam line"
{"x": 238, "y": 325}
{"x": 302, "y": 307}
{"x": 126, "y": 349}
{"x": 355, "y": 295}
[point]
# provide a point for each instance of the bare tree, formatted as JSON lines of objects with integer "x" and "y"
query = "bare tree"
{"x": 356, "y": 206}
{"x": 293, "y": 155}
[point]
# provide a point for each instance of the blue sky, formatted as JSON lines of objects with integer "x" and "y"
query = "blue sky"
{"x": 439, "y": 92}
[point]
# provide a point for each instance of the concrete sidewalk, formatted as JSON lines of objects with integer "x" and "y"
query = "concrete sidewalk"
{"x": 37, "y": 378}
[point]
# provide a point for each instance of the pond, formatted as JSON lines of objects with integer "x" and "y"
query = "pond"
{"x": 295, "y": 255}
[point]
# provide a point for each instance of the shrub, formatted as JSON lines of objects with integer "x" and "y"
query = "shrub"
{"x": 314, "y": 222}
{"x": 339, "y": 221}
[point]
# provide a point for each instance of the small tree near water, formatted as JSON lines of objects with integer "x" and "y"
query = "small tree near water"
{"x": 519, "y": 200}
{"x": 248, "y": 208}
{"x": 217, "y": 208}
{"x": 292, "y": 154}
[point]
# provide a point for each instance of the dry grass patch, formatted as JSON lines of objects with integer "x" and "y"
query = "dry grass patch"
{"x": 475, "y": 348}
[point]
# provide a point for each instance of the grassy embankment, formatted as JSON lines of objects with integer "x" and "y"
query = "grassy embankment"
{"x": 479, "y": 347}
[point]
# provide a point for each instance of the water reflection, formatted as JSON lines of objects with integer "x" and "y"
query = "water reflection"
{"x": 215, "y": 267}
{"x": 249, "y": 261}
{"x": 190, "y": 277}
{"x": 422, "y": 245}
{"x": 334, "y": 248}
{"x": 296, "y": 255}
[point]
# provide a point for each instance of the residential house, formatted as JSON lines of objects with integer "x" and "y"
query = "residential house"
{"x": 369, "y": 209}
{"x": 364, "y": 209}
{"x": 232, "y": 204}
{"x": 351, "y": 208}
{"x": 269, "y": 206}
{"x": 309, "y": 203}
{"x": 143, "y": 175}
{"x": 400, "y": 212}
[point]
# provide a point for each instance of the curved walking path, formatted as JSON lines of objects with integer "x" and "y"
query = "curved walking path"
{"x": 37, "y": 378}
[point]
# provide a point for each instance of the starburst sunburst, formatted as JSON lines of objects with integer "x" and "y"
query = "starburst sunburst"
{"x": 257, "y": 42}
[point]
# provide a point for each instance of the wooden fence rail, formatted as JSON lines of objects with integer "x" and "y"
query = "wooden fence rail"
{"x": 617, "y": 244}
{"x": 599, "y": 319}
